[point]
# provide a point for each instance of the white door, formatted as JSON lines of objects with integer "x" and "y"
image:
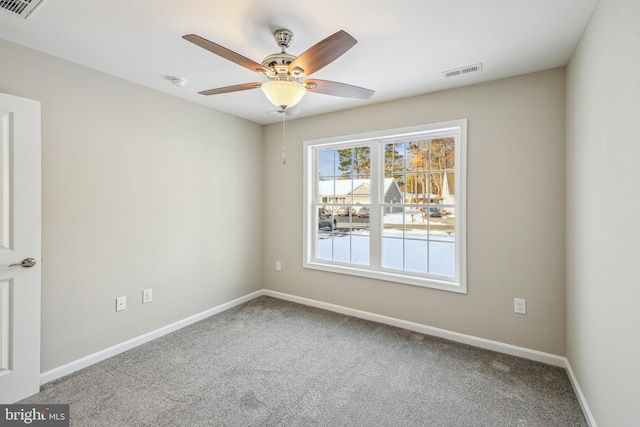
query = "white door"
{"x": 19, "y": 240}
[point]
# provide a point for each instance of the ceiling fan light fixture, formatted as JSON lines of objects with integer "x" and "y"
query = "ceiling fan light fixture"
{"x": 283, "y": 93}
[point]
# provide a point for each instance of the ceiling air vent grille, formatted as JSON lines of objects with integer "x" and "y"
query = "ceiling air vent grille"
{"x": 462, "y": 71}
{"x": 20, "y": 7}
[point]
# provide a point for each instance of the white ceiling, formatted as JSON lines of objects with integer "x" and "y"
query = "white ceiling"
{"x": 403, "y": 45}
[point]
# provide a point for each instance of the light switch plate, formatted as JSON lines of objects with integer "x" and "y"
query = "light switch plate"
{"x": 520, "y": 305}
{"x": 147, "y": 296}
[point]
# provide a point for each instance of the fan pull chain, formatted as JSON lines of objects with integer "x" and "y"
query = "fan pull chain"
{"x": 284, "y": 138}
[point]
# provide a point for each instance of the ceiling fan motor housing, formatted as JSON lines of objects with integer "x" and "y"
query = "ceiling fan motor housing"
{"x": 283, "y": 38}
{"x": 279, "y": 62}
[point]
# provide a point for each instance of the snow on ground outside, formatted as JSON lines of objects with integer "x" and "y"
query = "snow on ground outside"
{"x": 397, "y": 218}
{"x": 419, "y": 254}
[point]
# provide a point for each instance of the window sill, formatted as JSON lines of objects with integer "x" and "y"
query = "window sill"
{"x": 432, "y": 282}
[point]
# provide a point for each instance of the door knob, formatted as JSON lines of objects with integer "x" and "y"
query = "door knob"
{"x": 26, "y": 263}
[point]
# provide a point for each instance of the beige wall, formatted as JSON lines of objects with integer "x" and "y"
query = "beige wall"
{"x": 603, "y": 213}
{"x": 515, "y": 214}
{"x": 138, "y": 189}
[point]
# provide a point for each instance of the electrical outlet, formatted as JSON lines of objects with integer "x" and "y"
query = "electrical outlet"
{"x": 278, "y": 266}
{"x": 520, "y": 305}
{"x": 121, "y": 303}
{"x": 147, "y": 296}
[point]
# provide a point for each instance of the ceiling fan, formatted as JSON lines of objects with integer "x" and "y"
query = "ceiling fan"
{"x": 288, "y": 74}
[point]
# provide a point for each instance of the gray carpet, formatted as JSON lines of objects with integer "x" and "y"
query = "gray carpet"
{"x": 273, "y": 363}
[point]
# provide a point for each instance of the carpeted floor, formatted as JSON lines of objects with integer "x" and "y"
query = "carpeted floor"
{"x": 274, "y": 363}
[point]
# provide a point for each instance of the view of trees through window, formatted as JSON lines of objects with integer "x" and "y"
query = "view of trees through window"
{"x": 423, "y": 229}
{"x": 414, "y": 205}
{"x": 389, "y": 205}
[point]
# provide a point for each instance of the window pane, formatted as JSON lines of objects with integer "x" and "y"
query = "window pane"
{"x": 442, "y": 258}
{"x": 416, "y": 255}
{"x": 393, "y": 222}
{"x": 417, "y": 188}
{"x": 442, "y": 153}
{"x": 343, "y": 215}
{"x": 360, "y": 231}
{"x": 360, "y": 247}
{"x": 442, "y": 187}
{"x": 417, "y": 156}
{"x": 394, "y": 157}
{"x": 364, "y": 212}
{"x": 392, "y": 253}
{"x": 414, "y": 235}
{"x": 341, "y": 247}
{"x": 354, "y": 161}
{"x": 327, "y": 164}
{"x": 441, "y": 227}
{"x": 416, "y": 222}
{"x": 324, "y": 245}
{"x": 442, "y": 245}
{"x": 326, "y": 191}
{"x": 325, "y": 220}
{"x": 362, "y": 189}
{"x": 412, "y": 220}
{"x": 393, "y": 188}
{"x": 348, "y": 243}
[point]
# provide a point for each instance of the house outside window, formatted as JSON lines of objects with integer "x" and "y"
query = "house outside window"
{"x": 389, "y": 205}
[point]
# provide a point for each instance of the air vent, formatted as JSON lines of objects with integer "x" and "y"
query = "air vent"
{"x": 462, "y": 71}
{"x": 20, "y": 7}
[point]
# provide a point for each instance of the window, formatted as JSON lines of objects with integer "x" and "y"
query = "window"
{"x": 389, "y": 205}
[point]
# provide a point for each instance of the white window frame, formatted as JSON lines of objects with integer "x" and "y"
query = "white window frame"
{"x": 458, "y": 283}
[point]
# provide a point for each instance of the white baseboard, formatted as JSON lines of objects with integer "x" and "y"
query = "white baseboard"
{"x": 583, "y": 402}
{"x": 89, "y": 360}
{"x": 497, "y": 346}
{"x": 526, "y": 353}
{"x": 500, "y": 347}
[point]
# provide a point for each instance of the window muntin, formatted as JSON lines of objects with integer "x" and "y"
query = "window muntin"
{"x": 389, "y": 205}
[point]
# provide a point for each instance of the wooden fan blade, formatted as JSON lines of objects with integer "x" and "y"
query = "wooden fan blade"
{"x": 323, "y": 53}
{"x": 339, "y": 89}
{"x": 234, "y": 88}
{"x": 226, "y": 53}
